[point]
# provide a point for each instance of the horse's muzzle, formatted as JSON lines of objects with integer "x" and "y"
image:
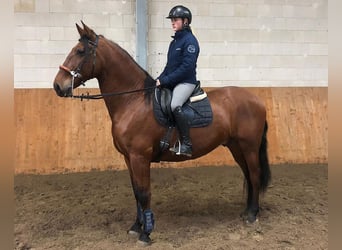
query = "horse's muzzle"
{"x": 62, "y": 92}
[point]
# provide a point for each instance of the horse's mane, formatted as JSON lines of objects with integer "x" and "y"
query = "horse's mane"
{"x": 149, "y": 82}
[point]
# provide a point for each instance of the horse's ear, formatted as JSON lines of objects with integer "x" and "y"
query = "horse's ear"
{"x": 89, "y": 32}
{"x": 80, "y": 30}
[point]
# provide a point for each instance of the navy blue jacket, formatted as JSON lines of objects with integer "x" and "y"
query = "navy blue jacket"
{"x": 181, "y": 60}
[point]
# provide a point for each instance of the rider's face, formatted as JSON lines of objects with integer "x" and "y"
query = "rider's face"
{"x": 177, "y": 24}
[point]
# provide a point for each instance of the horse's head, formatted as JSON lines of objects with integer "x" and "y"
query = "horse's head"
{"x": 79, "y": 66}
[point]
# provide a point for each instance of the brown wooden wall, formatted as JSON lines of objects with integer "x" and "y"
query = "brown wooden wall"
{"x": 55, "y": 135}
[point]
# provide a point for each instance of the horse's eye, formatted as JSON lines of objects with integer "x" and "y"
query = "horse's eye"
{"x": 80, "y": 51}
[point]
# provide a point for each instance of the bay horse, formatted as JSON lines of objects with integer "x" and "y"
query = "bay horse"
{"x": 239, "y": 122}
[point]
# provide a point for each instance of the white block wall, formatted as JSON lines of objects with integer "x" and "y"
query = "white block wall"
{"x": 243, "y": 42}
{"x": 45, "y": 33}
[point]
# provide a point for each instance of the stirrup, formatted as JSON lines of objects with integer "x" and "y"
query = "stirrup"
{"x": 177, "y": 150}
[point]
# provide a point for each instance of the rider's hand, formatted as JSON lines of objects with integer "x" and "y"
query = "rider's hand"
{"x": 157, "y": 83}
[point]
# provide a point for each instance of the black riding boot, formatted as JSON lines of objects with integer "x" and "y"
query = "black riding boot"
{"x": 183, "y": 127}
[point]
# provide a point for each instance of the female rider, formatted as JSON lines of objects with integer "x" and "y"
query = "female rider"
{"x": 179, "y": 74}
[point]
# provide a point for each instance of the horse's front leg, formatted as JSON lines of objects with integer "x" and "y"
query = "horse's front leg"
{"x": 139, "y": 169}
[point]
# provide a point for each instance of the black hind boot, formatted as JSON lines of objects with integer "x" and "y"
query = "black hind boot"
{"x": 183, "y": 127}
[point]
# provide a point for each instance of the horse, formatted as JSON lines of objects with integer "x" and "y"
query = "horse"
{"x": 239, "y": 122}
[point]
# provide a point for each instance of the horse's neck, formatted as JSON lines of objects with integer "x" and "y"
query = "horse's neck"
{"x": 121, "y": 76}
{"x": 120, "y": 73}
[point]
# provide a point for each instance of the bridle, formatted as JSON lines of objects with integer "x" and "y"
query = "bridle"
{"x": 76, "y": 73}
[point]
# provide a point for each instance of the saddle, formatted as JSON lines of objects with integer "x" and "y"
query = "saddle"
{"x": 197, "y": 109}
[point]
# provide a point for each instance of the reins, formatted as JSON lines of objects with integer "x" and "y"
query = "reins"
{"x": 101, "y": 96}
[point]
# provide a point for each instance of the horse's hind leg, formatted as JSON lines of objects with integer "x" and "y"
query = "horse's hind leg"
{"x": 252, "y": 208}
{"x": 252, "y": 159}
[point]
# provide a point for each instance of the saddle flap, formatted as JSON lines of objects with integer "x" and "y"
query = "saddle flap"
{"x": 165, "y": 101}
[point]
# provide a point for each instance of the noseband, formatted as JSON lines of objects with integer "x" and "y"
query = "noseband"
{"x": 76, "y": 73}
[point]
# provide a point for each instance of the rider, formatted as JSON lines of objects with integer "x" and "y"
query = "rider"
{"x": 179, "y": 74}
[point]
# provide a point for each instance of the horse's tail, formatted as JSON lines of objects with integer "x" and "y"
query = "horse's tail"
{"x": 265, "y": 176}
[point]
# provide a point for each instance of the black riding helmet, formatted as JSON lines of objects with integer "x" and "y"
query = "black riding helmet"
{"x": 180, "y": 11}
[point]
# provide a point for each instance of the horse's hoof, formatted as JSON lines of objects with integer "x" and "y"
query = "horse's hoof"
{"x": 133, "y": 234}
{"x": 135, "y": 230}
{"x": 144, "y": 240}
{"x": 251, "y": 221}
{"x": 143, "y": 243}
{"x": 249, "y": 217}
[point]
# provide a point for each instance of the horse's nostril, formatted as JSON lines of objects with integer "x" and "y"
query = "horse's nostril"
{"x": 55, "y": 86}
{"x": 58, "y": 90}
